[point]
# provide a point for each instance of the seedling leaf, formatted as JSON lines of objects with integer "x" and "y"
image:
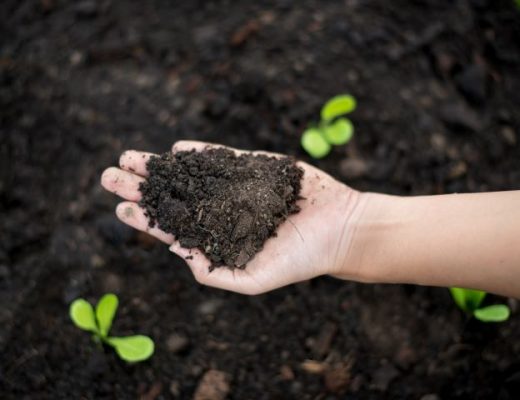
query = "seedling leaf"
{"x": 314, "y": 143}
{"x": 467, "y": 299}
{"x": 495, "y": 313}
{"x": 459, "y": 297}
{"x": 133, "y": 348}
{"x": 105, "y": 311}
{"x": 82, "y": 314}
{"x": 339, "y": 132}
{"x": 337, "y": 106}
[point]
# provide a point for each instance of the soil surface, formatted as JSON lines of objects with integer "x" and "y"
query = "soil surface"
{"x": 225, "y": 205}
{"x": 438, "y": 90}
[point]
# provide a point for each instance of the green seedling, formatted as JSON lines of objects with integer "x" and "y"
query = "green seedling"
{"x": 469, "y": 300}
{"x": 333, "y": 129}
{"x": 129, "y": 348}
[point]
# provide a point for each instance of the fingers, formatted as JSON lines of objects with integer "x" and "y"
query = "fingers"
{"x": 186, "y": 145}
{"x": 135, "y": 161}
{"x": 133, "y": 215}
{"x": 122, "y": 183}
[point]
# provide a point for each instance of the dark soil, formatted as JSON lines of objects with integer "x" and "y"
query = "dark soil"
{"x": 225, "y": 205}
{"x": 438, "y": 91}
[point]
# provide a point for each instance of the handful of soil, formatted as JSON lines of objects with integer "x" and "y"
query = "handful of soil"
{"x": 225, "y": 205}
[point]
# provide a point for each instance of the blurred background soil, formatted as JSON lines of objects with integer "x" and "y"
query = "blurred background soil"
{"x": 438, "y": 88}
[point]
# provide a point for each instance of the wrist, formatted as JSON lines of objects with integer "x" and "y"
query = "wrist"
{"x": 372, "y": 232}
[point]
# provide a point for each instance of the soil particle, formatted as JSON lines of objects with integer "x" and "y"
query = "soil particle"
{"x": 324, "y": 341}
{"x": 225, "y": 205}
{"x": 354, "y": 168}
{"x": 210, "y": 306}
{"x": 384, "y": 376}
{"x": 286, "y": 373}
{"x": 175, "y": 389}
{"x": 313, "y": 367}
{"x": 337, "y": 377}
{"x": 177, "y": 343}
{"x": 214, "y": 385}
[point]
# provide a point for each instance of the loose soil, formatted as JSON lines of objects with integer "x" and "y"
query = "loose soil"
{"x": 225, "y": 205}
{"x": 438, "y": 91}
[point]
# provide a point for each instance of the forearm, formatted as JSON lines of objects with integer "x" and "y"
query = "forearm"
{"x": 466, "y": 240}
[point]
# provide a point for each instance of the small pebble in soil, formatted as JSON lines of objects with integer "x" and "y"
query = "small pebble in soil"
{"x": 177, "y": 343}
{"x": 225, "y": 205}
{"x": 210, "y": 306}
{"x": 214, "y": 385}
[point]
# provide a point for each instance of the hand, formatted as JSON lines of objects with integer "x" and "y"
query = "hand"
{"x": 314, "y": 242}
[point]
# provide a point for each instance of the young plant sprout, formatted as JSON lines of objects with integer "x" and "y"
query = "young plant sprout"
{"x": 129, "y": 348}
{"x": 333, "y": 129}
{"x": 469, "y": 300}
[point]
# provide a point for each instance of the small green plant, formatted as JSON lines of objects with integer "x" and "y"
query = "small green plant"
{"x": 129, "y": 348}
{"x": 469, "y": 300}
{"x": 333, "y": 129}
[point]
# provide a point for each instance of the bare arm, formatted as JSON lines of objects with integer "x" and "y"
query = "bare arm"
{"x": 465, "y": 240}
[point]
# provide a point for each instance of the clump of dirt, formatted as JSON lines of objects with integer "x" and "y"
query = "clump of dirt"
{"x": 225, "y": 205}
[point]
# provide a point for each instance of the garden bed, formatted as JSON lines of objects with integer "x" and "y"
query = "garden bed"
{"x": 438, "y": 90}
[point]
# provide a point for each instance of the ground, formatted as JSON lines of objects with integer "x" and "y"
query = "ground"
{"x": 438, "y": 90}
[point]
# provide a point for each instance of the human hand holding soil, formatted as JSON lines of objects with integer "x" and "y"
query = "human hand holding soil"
{"x": 462, "y": 240}
{"x": 310, "y": 243}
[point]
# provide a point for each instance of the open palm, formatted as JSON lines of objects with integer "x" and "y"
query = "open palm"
{"x": 308, "y": 244}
